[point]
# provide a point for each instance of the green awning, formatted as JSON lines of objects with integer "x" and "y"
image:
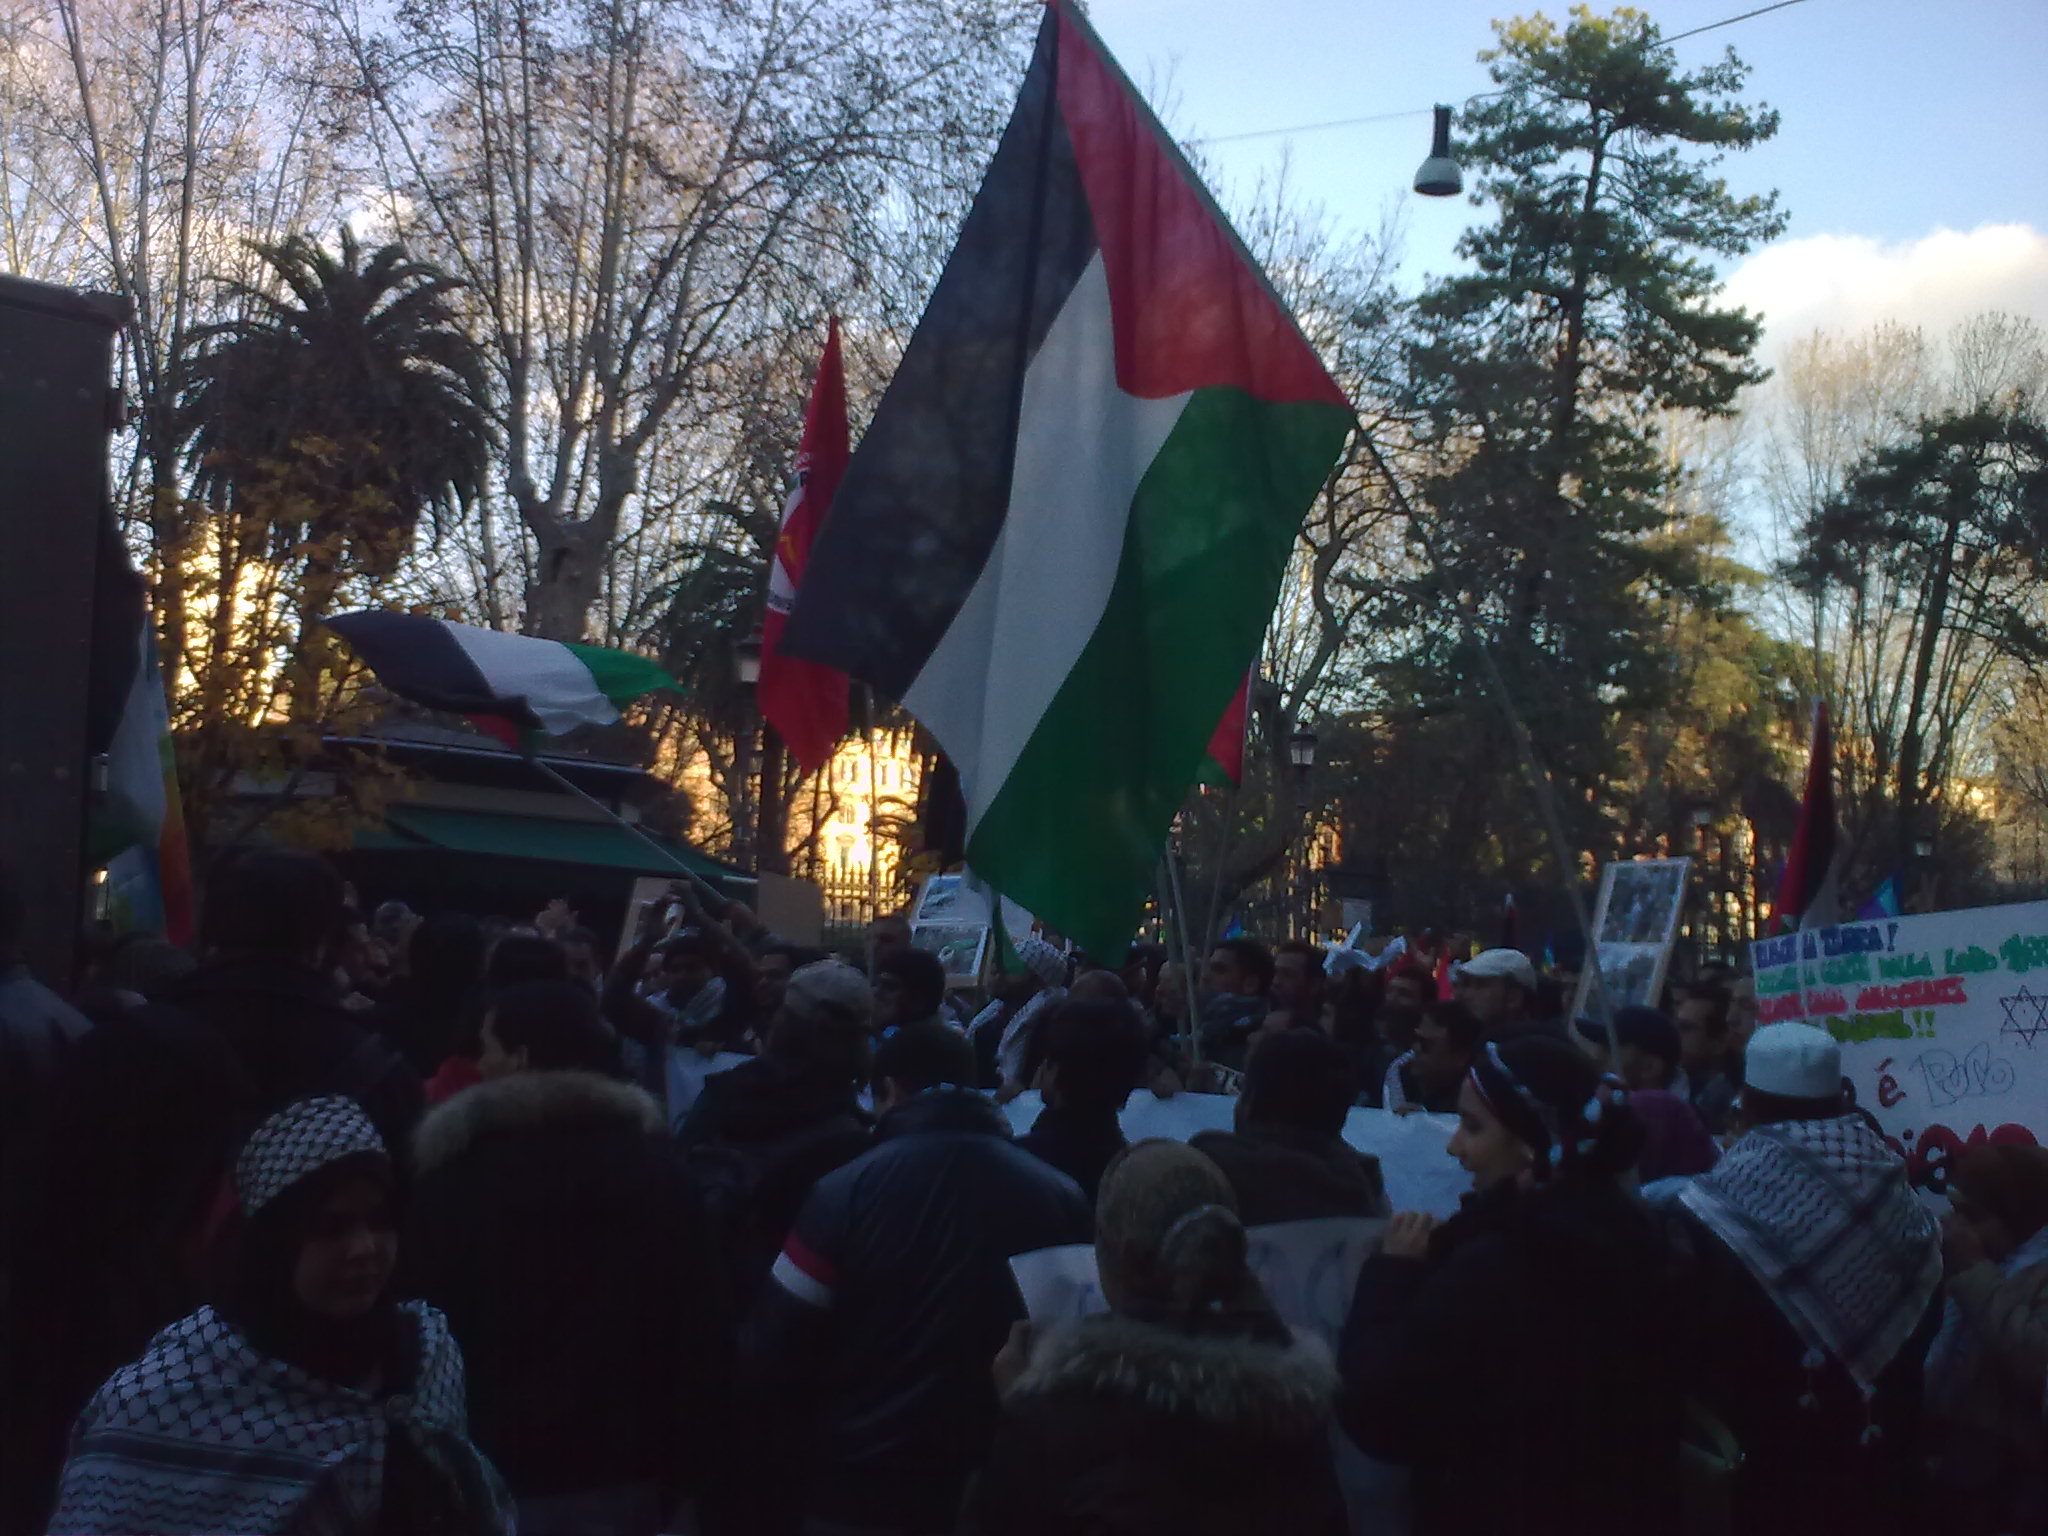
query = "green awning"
{"x": 597, "y": 843}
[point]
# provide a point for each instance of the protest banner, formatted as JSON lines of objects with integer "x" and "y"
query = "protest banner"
{"x": 1943, "y": 1020}
{"x": 1420, "y": 1175}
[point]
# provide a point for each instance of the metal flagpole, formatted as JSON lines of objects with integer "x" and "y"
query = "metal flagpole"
{"x": 626, "y": 826}
{"x": 1187, "y": 947}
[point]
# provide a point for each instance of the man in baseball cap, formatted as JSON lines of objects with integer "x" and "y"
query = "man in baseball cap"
{"x": 1499, "y": 986}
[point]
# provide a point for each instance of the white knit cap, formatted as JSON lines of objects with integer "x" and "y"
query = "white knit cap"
{"x": 1794, "y": 1061}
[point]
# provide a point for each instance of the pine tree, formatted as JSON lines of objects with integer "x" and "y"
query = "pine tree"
{"x": 1540, "y": 375}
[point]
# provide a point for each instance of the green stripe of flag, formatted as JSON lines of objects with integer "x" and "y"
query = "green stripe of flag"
{"x": 1206, "y": 546}
{"x": 620, "y": 675}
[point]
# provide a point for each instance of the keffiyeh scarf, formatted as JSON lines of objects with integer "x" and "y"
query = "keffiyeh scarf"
{"x": 1016, "y": 1041}
{"x": 1820, "y": 1213}
{"x": 204, "y": 1433}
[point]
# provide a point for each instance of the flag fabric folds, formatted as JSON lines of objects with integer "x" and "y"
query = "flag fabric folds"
{"x": 138, "y": 829}
{"x": 1062, "y": 536}
{"x": 510, "y": 685}
{"x": 1806, "y": 896}
{"x": 806, "y": 702}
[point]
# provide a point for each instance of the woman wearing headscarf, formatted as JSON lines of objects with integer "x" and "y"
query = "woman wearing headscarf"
{"x": 1988, "y": 1369}
{"x": 1187, "y": 1407}
{"x": 305, "y": 1400}
{"x": 1515, "y": 1357}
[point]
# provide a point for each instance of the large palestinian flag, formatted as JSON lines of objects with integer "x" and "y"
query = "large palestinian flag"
{"x": 511, "y": 686}
{"x": 1062, "y": 536}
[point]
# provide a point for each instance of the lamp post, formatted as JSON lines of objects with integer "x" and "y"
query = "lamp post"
{"x": 746, "y": 670}
{"x": 1301, "y": 756}
{"x": 1702, "y": 818}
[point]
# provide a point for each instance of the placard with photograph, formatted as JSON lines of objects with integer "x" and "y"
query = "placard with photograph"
{"x": 959, "y": 947}
{"x": 1633, "y": 929}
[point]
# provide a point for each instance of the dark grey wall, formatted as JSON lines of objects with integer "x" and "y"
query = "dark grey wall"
{"x": 56, "y": 350}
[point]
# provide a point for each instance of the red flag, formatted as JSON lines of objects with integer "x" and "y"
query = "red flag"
{"x": 1806, "y": 895}
{"x": 806, "y": 702}
{"x": 1226, "y": 747}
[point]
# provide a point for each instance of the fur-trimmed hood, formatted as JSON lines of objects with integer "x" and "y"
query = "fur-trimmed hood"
{"x": 531, "y": 1101}
{"x": 1223, "y": 1380}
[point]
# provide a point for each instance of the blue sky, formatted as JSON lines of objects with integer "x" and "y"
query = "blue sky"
{"x": 1901, "y": 120}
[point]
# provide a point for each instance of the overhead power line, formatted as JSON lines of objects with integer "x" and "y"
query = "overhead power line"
{"x": 1388, "y": 117}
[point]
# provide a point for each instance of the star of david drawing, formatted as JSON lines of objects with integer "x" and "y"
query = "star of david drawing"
{"x": 2026, "y": 1016}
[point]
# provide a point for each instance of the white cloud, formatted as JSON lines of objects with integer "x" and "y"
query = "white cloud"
{"x": 1848, "y": 283}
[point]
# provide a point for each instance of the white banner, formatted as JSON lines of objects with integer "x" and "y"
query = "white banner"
{"x": 1943, "y": 1019}
{"x": 1308, "y": 1270}
{"x": 1420, "y": 1174}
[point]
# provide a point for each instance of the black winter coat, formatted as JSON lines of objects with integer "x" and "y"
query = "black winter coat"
{"x": 892, "y": 1297}
{"x": 1281, "y": 1173}
{"x": 1807, "y": 1465}
{"x": 555, "y": 1228}
{"x": 1078, "y": 1142}
{"x": 757, "y": 1139}
{"x": 1527, "y": 1372}
{"x": 1123, "y": 1428}
{"x": 293, "y": 1039}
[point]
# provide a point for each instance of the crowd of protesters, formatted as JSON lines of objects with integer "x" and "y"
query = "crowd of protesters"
{"x": 366, "y": 1223}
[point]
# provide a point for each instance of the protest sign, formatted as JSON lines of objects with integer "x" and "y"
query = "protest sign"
{"x": 1420, "y": 1175}
{"x": 687, "y": 1069}
{"x": 952, "y": 920}
{"x": 1308, "y": 1270}
{"x": 1633, "y": 926}
{"x": 1943, "y": 1020}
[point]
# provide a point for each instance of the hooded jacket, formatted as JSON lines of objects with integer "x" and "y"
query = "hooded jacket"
{"x": 1526, "y": 1372}
{"x": 891, "y": 1297}
{"x": 1120, "y": 1427}
{"x": 1282, "y": 1173}
{"x": 556, "y": 1229}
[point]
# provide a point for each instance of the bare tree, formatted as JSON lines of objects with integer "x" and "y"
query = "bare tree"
{"x": 639, "y": 193}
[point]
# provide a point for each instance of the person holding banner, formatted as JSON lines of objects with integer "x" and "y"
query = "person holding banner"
{"x": 1518, "y": 1357}
{"x": 1188, "y": 1407}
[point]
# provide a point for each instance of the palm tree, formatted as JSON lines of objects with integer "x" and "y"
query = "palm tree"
{"x": 344, "y": 406}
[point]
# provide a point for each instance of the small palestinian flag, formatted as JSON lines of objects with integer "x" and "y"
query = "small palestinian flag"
{"x": 509, "y": 685}
{"x": 1224, "y": 761}
{"x": 1061, "y": 538}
